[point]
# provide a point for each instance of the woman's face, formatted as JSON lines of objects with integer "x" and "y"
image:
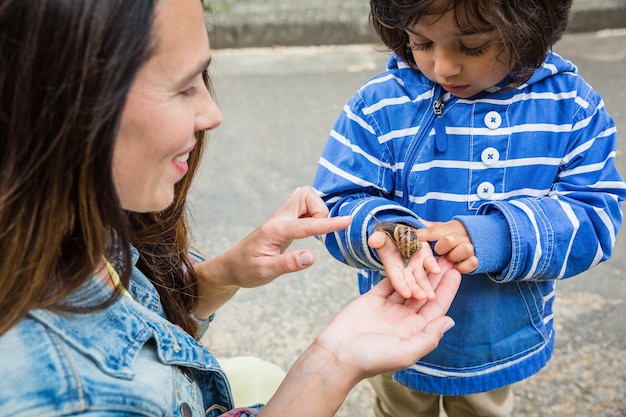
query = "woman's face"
{"x": 166, "y": 105}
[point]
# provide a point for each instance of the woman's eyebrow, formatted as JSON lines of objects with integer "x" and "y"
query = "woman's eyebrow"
{"x": 201, "y": 67}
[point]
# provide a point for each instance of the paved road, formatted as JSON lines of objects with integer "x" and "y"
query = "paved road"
{"x": 279, "y": 105}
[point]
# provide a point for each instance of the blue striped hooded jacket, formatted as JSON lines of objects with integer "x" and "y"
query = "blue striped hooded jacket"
{"x": 530, "y": 173}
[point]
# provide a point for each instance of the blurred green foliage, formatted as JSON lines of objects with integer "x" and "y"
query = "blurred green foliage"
{"x": 218, "y": 5}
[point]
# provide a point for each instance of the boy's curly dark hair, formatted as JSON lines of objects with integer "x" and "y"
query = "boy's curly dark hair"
{"x": 529, "y": 28}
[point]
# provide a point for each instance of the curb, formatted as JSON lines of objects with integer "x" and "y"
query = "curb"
{"x": 290, "y": 26}
{"x": 348, "y": 23}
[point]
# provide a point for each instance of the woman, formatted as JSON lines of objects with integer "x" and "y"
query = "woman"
{"x": 102, "y": 113}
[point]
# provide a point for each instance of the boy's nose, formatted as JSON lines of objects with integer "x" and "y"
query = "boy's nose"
{"x": 446, "y": 64}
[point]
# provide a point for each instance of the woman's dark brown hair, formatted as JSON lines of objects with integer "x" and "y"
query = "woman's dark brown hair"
{"x": 529, "y": 28}
{"x": 66, "y": 68}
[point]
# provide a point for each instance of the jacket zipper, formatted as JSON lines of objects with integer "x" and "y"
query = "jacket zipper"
{"x": 441, "y": 144}
{"x": 441, "y": 139}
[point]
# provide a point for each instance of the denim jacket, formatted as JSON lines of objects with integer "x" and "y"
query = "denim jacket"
{"x": 125, "y": 359}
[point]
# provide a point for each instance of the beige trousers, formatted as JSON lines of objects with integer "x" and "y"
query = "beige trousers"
{"x": 252, "y": 380}
{"x": 396, "y": 400}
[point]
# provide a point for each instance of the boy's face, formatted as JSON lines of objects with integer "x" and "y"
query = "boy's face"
{"x": 464, "y": 64}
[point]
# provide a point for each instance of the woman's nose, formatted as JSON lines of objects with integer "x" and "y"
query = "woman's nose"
{"x": 209, "y": 116}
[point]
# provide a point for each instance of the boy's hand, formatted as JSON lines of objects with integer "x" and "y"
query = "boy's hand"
{"x": 453, "y": 242}
{"x": 412, "y": 279}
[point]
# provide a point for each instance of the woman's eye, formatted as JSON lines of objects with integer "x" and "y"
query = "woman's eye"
{"x": 189, "y": 92}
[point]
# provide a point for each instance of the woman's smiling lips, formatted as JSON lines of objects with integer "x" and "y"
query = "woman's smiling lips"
{"x": 180, "y": 161}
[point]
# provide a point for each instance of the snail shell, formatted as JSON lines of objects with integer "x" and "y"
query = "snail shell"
{"x": 405, "y": 237}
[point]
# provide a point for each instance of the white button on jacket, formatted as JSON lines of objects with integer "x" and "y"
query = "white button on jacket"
{"x": 493, "y": 120}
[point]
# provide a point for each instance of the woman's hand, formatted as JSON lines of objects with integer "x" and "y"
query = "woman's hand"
{"x": 262, "y": 256}
{"x": 378, "y": 332}
{"x": 410, "y": 279}
{"x": 382, "y": 331}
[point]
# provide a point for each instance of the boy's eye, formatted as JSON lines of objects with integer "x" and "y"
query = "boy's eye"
{"x": 479, "y": 50}
{"x": 415, "y": 46}
{"x": 474, "y": 51}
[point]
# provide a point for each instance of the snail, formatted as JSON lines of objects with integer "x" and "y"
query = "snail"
{"x": 403, "y": 236}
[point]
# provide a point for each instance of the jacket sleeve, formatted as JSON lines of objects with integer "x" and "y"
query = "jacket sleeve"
{"x": 243, "y": 412}
{"x": 574, "y": 227}
{"x": 355, "y": 177}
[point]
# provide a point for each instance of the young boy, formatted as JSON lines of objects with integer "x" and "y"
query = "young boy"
{"x": 502, "y": 157}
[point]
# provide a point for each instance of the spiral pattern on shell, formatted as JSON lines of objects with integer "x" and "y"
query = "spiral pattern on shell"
{"x": 404, "y": 237}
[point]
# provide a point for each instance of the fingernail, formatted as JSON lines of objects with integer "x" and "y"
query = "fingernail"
{"x": 448, "y": 325}
{"x": 305, "y": 259}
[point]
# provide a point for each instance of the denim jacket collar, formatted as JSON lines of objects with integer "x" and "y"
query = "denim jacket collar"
{"x": 122, "y": 329}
